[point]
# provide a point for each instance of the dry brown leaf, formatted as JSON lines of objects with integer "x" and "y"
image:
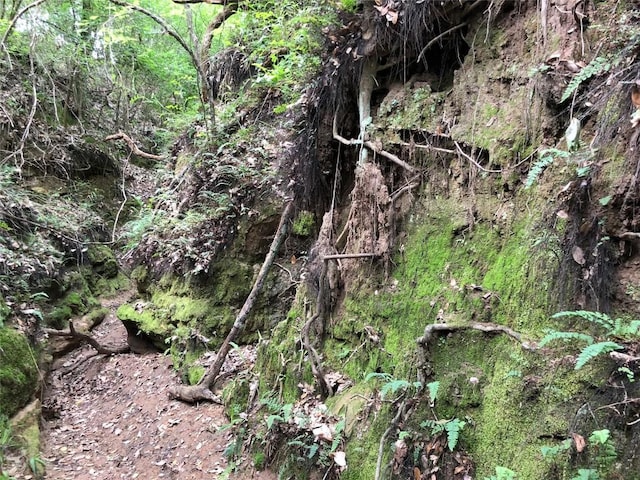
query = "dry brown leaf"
{"x": 458, "y": 470}
{"x": 417, "y": 474}
{"x": 579, "y": 441}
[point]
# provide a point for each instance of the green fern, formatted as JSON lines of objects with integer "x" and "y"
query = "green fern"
{"x": 587, "y": 474}
{"x": 594, "y": 350}
{"x": 453, "y": 429}
{"x": 554, "y": 335}
{"x": 547, "y": 157}
{"x": 598, "y": 318}
{"x": 597, "y": 66}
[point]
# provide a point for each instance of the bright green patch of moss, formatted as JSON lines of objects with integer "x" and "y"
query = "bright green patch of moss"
{"x": 149, "y": 320}
{"x": 18, "y": 371}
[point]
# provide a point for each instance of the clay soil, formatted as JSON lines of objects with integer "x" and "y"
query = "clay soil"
{"x": 109, "y": 417}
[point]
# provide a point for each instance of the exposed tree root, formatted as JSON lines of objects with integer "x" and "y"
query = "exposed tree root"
{"x": 85, "y": 338}
{"x": 483, "y": 327}
{"x": 132, "y": 145}
{"x": 403, "y": 411}
{"x": 431, "y": 330}
{"x": 202, "y": 391}
{"x": 377, "y": 148}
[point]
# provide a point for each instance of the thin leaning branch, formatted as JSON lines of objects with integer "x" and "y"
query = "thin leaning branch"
{"x": 473, "y": 160}
{"x": 203, "y": 390}
{"x": 16, "y": 18}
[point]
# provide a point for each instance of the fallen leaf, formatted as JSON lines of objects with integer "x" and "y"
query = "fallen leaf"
{"x": 578, "y": 255}
{"x": 323, "y": 432}
{"x": 579, "y": 441}
{"x": 417, "y": 474}
{"x": 562, "y": 214}
{"x": 340, "y": 458}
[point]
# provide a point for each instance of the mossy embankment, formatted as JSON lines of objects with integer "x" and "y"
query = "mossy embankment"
{"x": 477, "y": 246}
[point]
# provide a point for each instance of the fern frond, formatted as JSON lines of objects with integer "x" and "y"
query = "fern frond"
{"x": 626, "y": 330}
{"x": 595, "y": 67}
{"x": 598, "y": 318}
{"x": 565, "y": 337}
{"x": 594, "y": 350}
{"x": 547, "y": 157}
{"x": 453, "y": 429}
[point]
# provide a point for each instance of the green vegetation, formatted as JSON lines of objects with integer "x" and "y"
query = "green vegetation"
{"x": 613, "y": 329}
{"x": 18, "y": 371}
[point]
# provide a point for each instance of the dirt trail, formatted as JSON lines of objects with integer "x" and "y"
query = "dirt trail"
{"x": 111, "y": 418}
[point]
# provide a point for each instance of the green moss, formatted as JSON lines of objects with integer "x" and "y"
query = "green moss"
{"x": 18, "y": 371}
{"x": 195, "y": 374}
{"x": 102, "y": 260}
{"x": 26, "y": 430}
{"x": 109, "y": 286}
{"x": 149, "y": 320}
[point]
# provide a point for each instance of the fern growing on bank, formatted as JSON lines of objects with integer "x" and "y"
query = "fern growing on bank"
{"x": 597, "y": 66}
{"x": 614, "y": 329}
{"x": 547, "y": 157}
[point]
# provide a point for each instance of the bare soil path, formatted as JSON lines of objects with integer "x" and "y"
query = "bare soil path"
{"x": 111, "y": 418}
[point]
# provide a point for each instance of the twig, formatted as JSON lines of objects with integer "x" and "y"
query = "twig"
{"x": 124, "y": 201}
{"x": 392, "y": 426}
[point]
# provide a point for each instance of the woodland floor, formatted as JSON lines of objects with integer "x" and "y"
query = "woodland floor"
{"x": 112, "y": 418}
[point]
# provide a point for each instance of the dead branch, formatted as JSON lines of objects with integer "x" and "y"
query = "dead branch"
{"x": 85, "y": 338}
{"x": 392, "y": 426}
{"x": 132, "y": 146}
{"x": 314, "y": 358}
{"x": 202, "y": 391}
{"x": 371, "y": 146}
{"x": 623, "y": 358}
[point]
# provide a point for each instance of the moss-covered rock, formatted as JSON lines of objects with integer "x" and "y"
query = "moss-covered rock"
{"x": 102, "y": 260}
{"x": 18, "y": 371}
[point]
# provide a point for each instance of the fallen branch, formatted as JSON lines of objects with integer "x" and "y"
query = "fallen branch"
{"x": 202, "y": 391}
{"x": 134, "y": 148}
{"x": 83, "y": 337}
